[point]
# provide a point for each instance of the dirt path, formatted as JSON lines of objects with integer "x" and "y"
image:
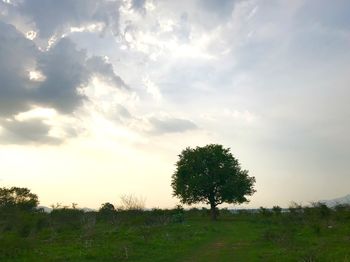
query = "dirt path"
{"x": 230, "y": 245}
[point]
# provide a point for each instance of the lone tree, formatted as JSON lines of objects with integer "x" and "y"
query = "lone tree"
{"x": 211, "y": 174}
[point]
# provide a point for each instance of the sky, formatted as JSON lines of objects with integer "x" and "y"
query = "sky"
{"x": 98, "y": 98}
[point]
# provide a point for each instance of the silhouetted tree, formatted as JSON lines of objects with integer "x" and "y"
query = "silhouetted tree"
{"x": 107, "y": 212}
{"x": 131, "y": 202}
{"x": 211, "y": 174}
{"x": 107, "y": 208}
{"x": 17, "y": 197}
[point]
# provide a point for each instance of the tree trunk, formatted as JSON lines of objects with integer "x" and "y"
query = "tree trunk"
{"x": 213, "y": 212}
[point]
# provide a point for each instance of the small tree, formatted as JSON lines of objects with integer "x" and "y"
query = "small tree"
{"x": 211, "y": 174}
{"x": 131, "y": 202}
{"x": 107, "y": 208}
{"x": 107, "y": 212}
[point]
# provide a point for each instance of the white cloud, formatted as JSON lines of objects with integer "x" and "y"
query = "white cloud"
{"x": 31, "y": 34}
{"x": 245, "y": 115}
{"x": 92, "y": 28}
{"x": 35, "y": 113}
{"x": 152, "y": 88}
{"x": 36, "y": 76}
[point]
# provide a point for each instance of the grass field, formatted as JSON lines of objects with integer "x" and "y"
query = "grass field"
{"x": 72, "y": 235}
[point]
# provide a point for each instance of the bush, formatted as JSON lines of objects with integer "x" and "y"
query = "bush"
{"x": 264, "y": 212}
{"x": 342, "y": 211}
{"x": 66, "y": 218}
{"x": 322, "y": 210}
{"x": 296, "y": 212}
{"x": 178, "y": 214}
{"x": 277, "y": 210}
{"x": 158, "y": 216}
{"x": 107, "y": 212}
{"x": 224, "y": 212}
{"x": 22, "y": 222}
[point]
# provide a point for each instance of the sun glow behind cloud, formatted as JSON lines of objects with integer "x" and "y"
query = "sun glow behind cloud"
{"x": 45, "y": 113}
{"x": 36, "y": 76}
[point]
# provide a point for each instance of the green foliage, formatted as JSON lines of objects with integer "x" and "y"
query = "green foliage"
{"x": 12, "y": 245}
{"x": 277, "y": 210}
{"x": 296, "y": 210}
{"x": 211, "y": 175}
{"x": 224, "y": 212}
{"x": 342, "y": 211}
{"x": 66, "y": 218}
{"x": 264, "y": 211}
{"x": 158, "y": 216}
{"x": 178, "y": 214}
{"x": 108, "y": 213}
{"x": 107, "y": 208}
{"x": 152, "y": 235}
{"x": 323, "y": 210}
{"x": 17, "y": 197}
{"x": 306, "y": 233}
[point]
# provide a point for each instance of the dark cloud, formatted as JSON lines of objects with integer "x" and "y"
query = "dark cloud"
{"x": 17, "y": 56}
{"x": 32, "y": 131}
{"x": 171, "y": 125}
{"x": 220, "y": 8}
{"x": 331, "y": 14}
{"x": 52, "y": 16}
{"x": 122, "y": 112}
{"x": 65, "y": 70}
{"x": 183, "y": 31}
{"x": 138, "y": 5}
{"x": 100, "y": 67}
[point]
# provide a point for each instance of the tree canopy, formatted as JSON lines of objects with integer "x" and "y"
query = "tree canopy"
{"x": 211, "y": 175}
{"x": 18, "y": 197}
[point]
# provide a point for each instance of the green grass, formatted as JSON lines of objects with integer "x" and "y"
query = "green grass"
{"x": 245, "y": 237}
{"x": 274, "y": 240}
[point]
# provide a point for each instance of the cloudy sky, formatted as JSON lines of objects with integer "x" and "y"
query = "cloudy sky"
{"x": 97, "y": 98}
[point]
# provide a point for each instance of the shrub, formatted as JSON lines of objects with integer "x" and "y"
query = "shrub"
{"x": 295, "y": 208}
{"x": 66, "y": 218}
{"x": 322, "y": 210}
{"x": 225, "y": 212}
{"x": 107, "y": 212}
{"x": 342, "y": 211}
{"x": 158, "y": 216}
{"x": 277, "y": 210}
{"x": 178, "y": 214}
{"x": 264, "y": 211}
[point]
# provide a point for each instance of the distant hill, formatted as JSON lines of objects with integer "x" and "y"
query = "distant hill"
{"x": 337, "y": 201}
